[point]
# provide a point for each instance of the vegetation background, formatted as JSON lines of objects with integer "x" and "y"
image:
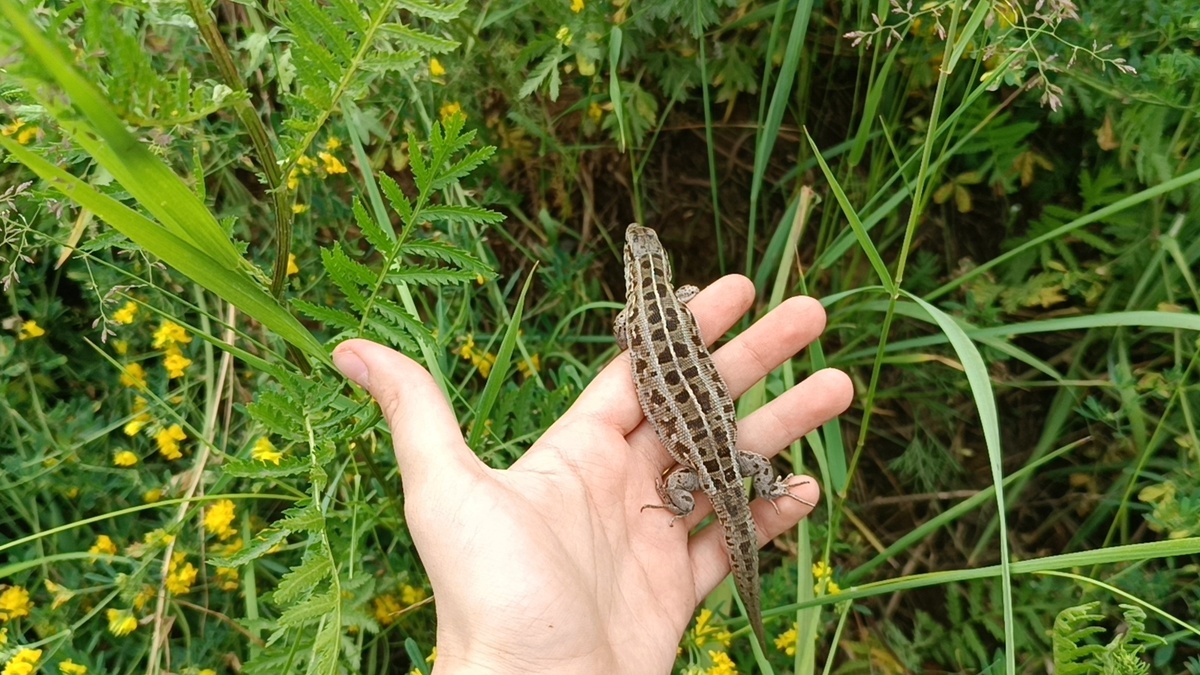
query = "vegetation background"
{"x": 995, "y": 200}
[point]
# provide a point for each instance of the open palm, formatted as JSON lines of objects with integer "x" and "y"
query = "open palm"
{"x": 551, "y": 565}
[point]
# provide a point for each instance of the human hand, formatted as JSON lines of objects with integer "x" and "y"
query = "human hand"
{"x": 551, "y": 565}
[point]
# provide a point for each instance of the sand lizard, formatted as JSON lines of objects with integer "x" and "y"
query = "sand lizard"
{"x": 690, "y": 408}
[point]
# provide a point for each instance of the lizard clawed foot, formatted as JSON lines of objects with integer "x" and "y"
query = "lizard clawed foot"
{"x": 783, "y": 488}
{"x": 678, "y": 516}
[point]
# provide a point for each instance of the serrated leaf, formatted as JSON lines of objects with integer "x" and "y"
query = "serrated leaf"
{"x": 473, "y": 215}
{"x": 308, "y": 519}
{"x": 395, "y": 195}
{"x": 329, "y": 316}
{"x": 463, "y": 167}
{"x": 302, "y": 578}
{"x": 429, "y": 248}
{"x": 412, "y": 37}
{"x": 402, "y": 319}
{"x": 547, "y": 66}
{"x": 433, "y": 10}
{"x": 378, "y": 237}
{"x": 259, "y": 546}
{"x": 429, "y": 276}
{"x": 311, "y": 609}
{"x": 391, "y": 63}
{"x": 252, "y": 468}
{"x": 347, "y": 274}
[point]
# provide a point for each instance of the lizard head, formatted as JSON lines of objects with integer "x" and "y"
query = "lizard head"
{"x": 642, "y": 247}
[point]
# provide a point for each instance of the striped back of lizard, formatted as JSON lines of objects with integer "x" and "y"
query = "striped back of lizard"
{"x": 686, "y": 401}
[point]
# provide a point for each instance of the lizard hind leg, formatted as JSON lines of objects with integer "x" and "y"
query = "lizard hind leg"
{"x": 676, "y": 493}
{"x": 766, "y": 484}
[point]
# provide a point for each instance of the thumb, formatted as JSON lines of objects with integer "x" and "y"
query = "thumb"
{"x": 429, "y": 445}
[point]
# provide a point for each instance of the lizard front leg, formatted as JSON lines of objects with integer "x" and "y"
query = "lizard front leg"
{"x": 766, "y": 484}
{"x": 676, "y": 492}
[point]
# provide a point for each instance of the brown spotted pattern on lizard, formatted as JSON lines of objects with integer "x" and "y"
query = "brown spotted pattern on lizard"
{"x": 690, "y": 408}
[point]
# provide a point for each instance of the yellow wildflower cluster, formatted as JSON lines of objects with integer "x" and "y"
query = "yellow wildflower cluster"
{"x": 14, "y": 603}
{"x": 24, "y": 662}
{"x": 436, "y": 70}
{"x": 218, "y": 519}
{"x": 69, "y": 667}
{"x": 705, "y": 630}
{"x": 227, "y": 578}
{"x": 180, "y": 575}
{"x": 825, "y": 585}
{"x": 125, "y": 459}
{"x": 307, "y": 166}
{"x": 264, "y": 451}
{"x": 452, "y": 109}
{"x": 23, "y": 133}
{"x": 30, "y": 330}
{"x": 786, "y": 642}
{"x": 482, "y": 360}
{"x": 104, "y": 546}
{"x": 387, "y": 608}
{"x": 167, "y": 440}
{"x": 577, "y": 6}
{"x": 134, "y": 377}
{"x": 121, "y": 622}
{"x": 126, "y": 314}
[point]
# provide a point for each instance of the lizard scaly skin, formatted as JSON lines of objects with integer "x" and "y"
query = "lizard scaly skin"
{"x": 690, "y": 408}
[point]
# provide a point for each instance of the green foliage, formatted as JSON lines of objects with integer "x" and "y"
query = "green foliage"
{"x": 1077, "y": 653}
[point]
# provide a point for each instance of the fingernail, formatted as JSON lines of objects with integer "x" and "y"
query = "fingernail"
{"x": 352, "y": 367}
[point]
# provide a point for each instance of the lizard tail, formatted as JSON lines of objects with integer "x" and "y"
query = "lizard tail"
{"x": 744, "y": 561}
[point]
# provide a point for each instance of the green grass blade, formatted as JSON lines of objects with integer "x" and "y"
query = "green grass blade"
{"x": 103, "y": 134}
{"x": 500, "y": 369}
{"x": 234, "y": 287}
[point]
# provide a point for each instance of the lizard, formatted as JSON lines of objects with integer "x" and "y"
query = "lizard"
{"x": 690, "y": 408}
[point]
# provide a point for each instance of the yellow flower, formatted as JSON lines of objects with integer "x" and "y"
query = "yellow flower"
{"x": 126, "y": 314}
{"x": 134, "y": 377}
{"x": 528, "y": 370}
{"x": 435, "y": 68}
{"x": 62, "y": 594}
{"x": 564, "y": 36}
{"x": 152, "y": 495}
{"x": 411, "y": 595}
{"x": 30, "y": 330}
{"x": 704, "y": 630}
{"x": 24, "y": 662}
{"x": 306, "y": 165}
{"x": 594, "y": 112}
{"x": 293, "y": 268}
{"x": 168, "y": 441}
{"x": 786, "y": 642}
{"x": 144, "y": 596}
{"x": 120, "y": 622}
{"x": 27, "y": 134}
{"x": 176, "y": 363}
{"x": 104, "y": 546}
{"x": 227, "y": 550}
{"x": 332, "y": 164}
{"x": 207, "y": 671}
{"x": 180, "y": 577}
{"x": 577, "y": 6}
{"x": 218, "y": 517}
{"x": 14, "y": 603}
{"x": 121, "y": 347}
{"x": 170, "y": 333}
{"x": 3, "y": 636}
{"x": 227, "y": 578}
{"x": 449, "y": 110}
{"x": 293, "y": 180}
{"x": 264, "y": 451}
{"x": 158, "y": 538}
{"x": 12, "y": 127}
{"x": 332, "y": 143}
{"x": 832, "y": 588}
{"x": 140, "y": 417}
{"x": 821, "y": 570}
{"x": 483, "y": 361}
{"x": 386, "y": 609}
{"x": 125, "y": 458}
{"x": 721, "y": 664}
{"x": 297, "y": 209}
{"x": 69, "y": 667}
